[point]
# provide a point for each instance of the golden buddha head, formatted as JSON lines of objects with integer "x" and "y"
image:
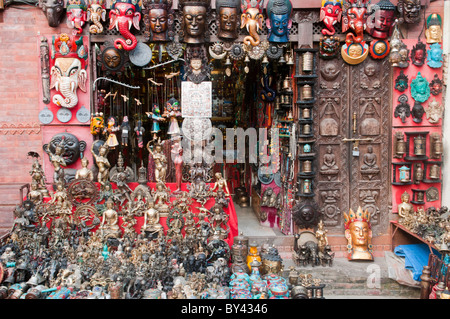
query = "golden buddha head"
{"x": 359, "y": 234}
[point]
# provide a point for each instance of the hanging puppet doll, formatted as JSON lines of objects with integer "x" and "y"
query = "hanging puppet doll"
{"x": 139, "y": 129}
{"x": 125, "y": 128}
{"x": 172, "y": 112}
{"x": 155, "y": 115}
{"x": 112, "y": 128}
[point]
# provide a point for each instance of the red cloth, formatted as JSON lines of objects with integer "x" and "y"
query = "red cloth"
{"x": 230, "y": 210}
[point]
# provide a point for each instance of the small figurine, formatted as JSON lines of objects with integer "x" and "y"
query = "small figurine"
{"x": 125, "y": 129}
{"x": 151, "y": 221}
{"x": 433, "y": 33}
{"x": 139, "y": 129}
{"x": 173, "y": 112}
{"x": 160, "y": 161}
{"x": 405, "y": 209}
{"x": 58, "y": 162}
{"x": 102, "y": 162}
{"x": 112, "y": 128}
{"x": 222, "y": 188}
{"x": 177, "y": 158}
{"x": 434, "y": 56}
{"x": 404, "y": 56}
{"x": 84, "y": 172}
{"x": 109, "y": 226}
{"x": 155, "y": 115}
{"x": 321, "y": 235}
{"x": 161, "y": 196}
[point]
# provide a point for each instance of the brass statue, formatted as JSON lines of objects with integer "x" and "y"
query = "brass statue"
{"x": 102, "y": 162}
{"x": 405, "y": 209}
{"x": 151, "y": 221}
{"x": 359, "y": 234}
{"x": 109, "y": 226}
{"x": 84, "y": 172}
{"x": 160, "y": 161}
{"x": 58, "y": 163}
{"x": 321, "y": 235}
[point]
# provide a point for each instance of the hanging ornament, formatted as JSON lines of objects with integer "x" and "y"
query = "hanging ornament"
{"x": 236, "y": 51}
{"x": 141, "y": 55}
{"x": 217, "y": 51}
{"x": 274, "y": 51}
{"x": 258, "y": 51}
{"x": 379, "y": 49}
{"x": 246, "y": 60}
{"x": 174, "y": 50}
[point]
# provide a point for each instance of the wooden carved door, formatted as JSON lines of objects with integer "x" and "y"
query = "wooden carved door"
{"x": 352, "y": 131}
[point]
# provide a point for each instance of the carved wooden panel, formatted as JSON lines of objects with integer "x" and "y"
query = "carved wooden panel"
{"x": 353, "y": 102}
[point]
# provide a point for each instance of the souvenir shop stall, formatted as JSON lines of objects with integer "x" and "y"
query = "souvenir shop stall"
{"x": 144, "y": 105}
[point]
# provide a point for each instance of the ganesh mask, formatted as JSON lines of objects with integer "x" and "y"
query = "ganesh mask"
{"x": 123, "y": 15}
{"x": 68, "y": 72}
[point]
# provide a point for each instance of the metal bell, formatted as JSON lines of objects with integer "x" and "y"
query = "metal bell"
{"x": 290, "y": 60}
{"x": 36, "y": 279}
{"x": 282, "y": 60}
{"x": 265, "y": 60}
{"x": 228, "y": 61}
{"x": 247, "y": 59}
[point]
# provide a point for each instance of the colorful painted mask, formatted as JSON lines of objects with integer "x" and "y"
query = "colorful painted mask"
{"x": 401, "y": 82}
{"x": 354, "y": 17}
{"x": 68, "y": 72}
{"x": 228, "y": 15}
{"x": 158, "y": 20}
{"x": 76, "y": 14}
{"x": 330, "y": 14}
{"x": 434, "y": 56}
{"x": 252, "y": 19}
{"x": 359, "y": 235}
{"x": 328, "y": 47}
{"x": 123, "y": 15}
{"x": 420, "y": 89}
{"x": 419, "y": 53}
{"x": 436, "y": 85}
{"x": 96, "y": 13}
{"x": 97, "y": 124}
{"x": 380, "y": 22}
{"x": 279, "y": 20}
{"x": 433, "y": 33}
{"x": 194, "y": 25}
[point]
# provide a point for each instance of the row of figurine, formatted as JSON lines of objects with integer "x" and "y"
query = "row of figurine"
{"x": 431, "y": 224}
{"x": 64, "y": 259}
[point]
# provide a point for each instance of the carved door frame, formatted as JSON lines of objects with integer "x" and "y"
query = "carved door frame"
{"x": 343, "y": 181}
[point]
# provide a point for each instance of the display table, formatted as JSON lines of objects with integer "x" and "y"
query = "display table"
{"x": 230, "y": 210}
{"x": 400, "y": 235}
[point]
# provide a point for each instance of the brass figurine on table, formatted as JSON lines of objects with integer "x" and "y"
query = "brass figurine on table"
{"x": 359, "y": 234}
{"x": 405, "y": 208}
{"x": 110, "y": 223}
{"x": 151, "y": 225}
{"x": 102, "y": 162}
{"x": 84, "y": 172}
{"x": 160, "y": 160}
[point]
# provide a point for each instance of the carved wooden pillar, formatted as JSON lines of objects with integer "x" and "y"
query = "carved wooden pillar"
{"x": 425, "y": 282}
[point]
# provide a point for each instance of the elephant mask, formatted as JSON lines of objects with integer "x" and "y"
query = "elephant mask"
{"x": 330, "y": 14}
{"x": 53, "y": 10}
{"x": 123, "y": 15}
{"x": 354, "y": 18}
{"x": 252, "y": 19}
{"x": 68, "y": 71}
{"x": 96, "y": 13}
{"x": 76, "y": 15}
